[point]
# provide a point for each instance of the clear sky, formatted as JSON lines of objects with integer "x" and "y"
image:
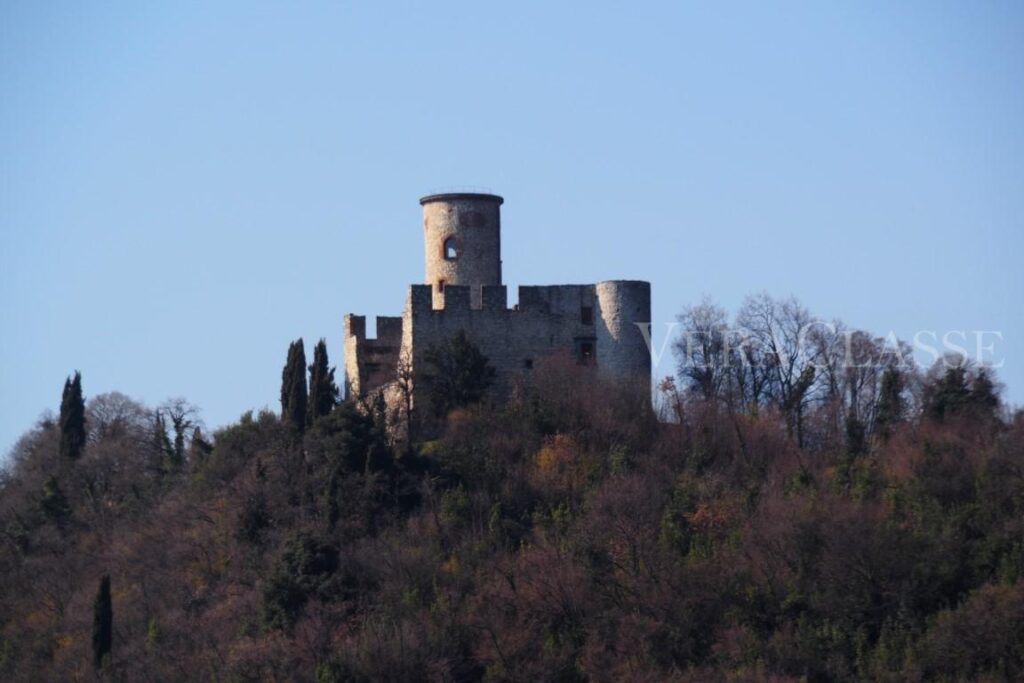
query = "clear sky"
{"x": 187, "y": 186}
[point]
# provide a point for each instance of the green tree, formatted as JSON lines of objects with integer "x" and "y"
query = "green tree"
{"x": 855, "y": 441}
{"x": 198, "y": 447}
{"x": 323, "y": 392}
{"x": 102, "y": 624}
{"x": 949, "y": 395}
{"x": 984, "y": 396}
{"x": 54, "y": 503}
{"x": 162, "y": 444}
{"x": 183, "y": 416}
{"x": 890, "y": 409}
{"x": 304, "y": 571}
{"x": 293, "y": 387}
{"x": 72, "y": 418}
{"x": 461, "y": 374}
{"x": 349, "y": 438}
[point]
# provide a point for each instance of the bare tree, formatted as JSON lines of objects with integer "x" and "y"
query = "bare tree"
{"x": 183, "y": 417}
{"x": 781, "y": 329}
{"x": 114, "y": 416}
{"x": 702, "y": 350}
{"x": 404, "y": 383}
{"x": 748, "y": 375}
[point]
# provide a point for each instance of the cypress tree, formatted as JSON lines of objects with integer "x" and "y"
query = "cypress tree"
{"x": 323, "y": 392}
{"x": 72, "y": 418}
{"x": 102, "y": 624}
{"x": 293, "y": 387}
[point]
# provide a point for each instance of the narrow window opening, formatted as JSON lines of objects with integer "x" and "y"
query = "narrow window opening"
{"x": 585, "y": 351}
{"x": 451, "y": 249}
{"x": 528, "y": 364}
{"x": 587, "y": 315}
{"x": 440, "y": 286}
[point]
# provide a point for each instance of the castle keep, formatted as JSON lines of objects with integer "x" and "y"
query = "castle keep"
{"x": 598, "y": 324}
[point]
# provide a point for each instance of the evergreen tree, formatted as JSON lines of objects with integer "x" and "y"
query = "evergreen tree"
{"x": 957, "y": 394}
{"x": 102, "y": 624}
{"x": 198, "y": 447}
{"x": 890, "y": 401}
{"x": 323, "y": 392}
{"x": 984, "y": 398}
{"x": 54, "y": 503}
{"x": 72, "y": 418}
{"x": 855, "y": 443}
{"x": 182, "y": 417}
{"x": 307, "y": 570}
{"x": 293, "y": 387}
{"x": 162, "y": 443}
{"x": 461, "y": 375}
{"x": 948, "y": 395}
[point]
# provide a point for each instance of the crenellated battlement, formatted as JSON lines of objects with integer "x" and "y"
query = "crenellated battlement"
{"x": 369, "y": 361}
{"x": 355, "y": 326}
{"x": 456, "y": 298}
{"x": 389, "y": 329}
{"x": 494, "y": 297}
{"x": 596, "y": 323}
{"x": 420, "y": 299}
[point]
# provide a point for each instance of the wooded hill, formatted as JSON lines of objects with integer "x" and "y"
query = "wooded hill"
{"x": 762, "y": 522}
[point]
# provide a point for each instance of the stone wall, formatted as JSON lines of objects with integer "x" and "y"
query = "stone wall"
{"x": 622, "y": 348}
{"x": 548, "y": 320}
{"x": 370, "y": 362}
{"x": 597, "y": 324}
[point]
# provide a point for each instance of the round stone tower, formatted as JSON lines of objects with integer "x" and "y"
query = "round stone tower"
{"x": 462, "y": 241}
{"x": 622, "y": 348}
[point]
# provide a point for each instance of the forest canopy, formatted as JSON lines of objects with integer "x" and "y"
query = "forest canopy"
{"x": 777, "y": 513}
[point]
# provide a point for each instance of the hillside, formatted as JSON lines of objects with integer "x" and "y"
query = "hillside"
{"x": 570, "y": 533}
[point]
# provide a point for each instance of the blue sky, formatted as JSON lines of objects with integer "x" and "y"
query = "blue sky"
{"x": 187, "y": 186}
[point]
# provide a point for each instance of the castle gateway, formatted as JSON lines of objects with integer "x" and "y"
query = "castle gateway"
{"x": 597, "y": 324}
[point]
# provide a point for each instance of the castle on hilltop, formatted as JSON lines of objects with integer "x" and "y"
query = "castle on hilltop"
{"x": 601, "y": 324}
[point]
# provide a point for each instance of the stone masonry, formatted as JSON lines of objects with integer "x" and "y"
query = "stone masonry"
{"x": 598, "y": 324}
